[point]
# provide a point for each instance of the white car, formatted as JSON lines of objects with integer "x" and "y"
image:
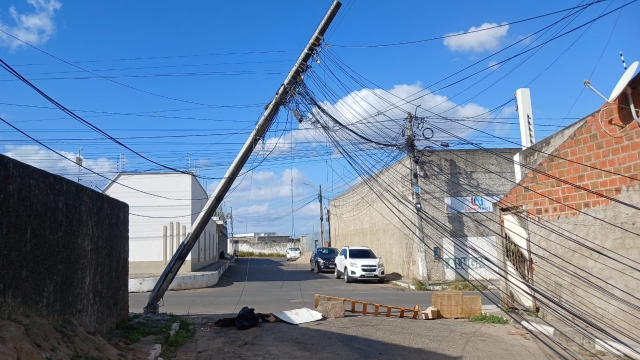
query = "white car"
{"x": 293, "y": 253}
{"x": 359, "y": 262}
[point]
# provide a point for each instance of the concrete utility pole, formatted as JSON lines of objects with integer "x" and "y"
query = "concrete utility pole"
{"x": 232, "y": 221}
{"x": 321, "y": 216}
{"x": 79, "y": 162}
{"x": 415, "y": 191}
{"x": 329, "y": 224}
{"x": 225, "y": 184}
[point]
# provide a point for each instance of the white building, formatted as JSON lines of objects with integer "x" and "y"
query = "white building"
{"x": 162, "y": 207}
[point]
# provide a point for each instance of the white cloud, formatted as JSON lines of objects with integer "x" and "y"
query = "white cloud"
{"x": 525, "y": 39}
{"x": 493, "y": 65}
{"x": 34, "y": 28}
{"x": 265, "y": 186}
{"x": 48, "y": 161}
{"x": 354, "y": 111}
{"x": 309, "y": 211}
{"x": 477, "y": 39}
{"x": 261, "y": 209}
{"x": 262, "y": 201}
{"x": 284, "y": 143}
{"x": 262, "y": 196}
{"x": 503, "y": 126}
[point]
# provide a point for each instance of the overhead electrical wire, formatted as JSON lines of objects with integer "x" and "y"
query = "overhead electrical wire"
{"x": 344, "y": 153}
{"x": 469, "y": 32}
{"x": 103, "y": 77}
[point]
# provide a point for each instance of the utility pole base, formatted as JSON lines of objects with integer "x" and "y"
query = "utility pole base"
{"x": 151, "y": 309}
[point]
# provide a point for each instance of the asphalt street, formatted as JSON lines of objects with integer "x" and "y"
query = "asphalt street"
{"x": 271, "y": 285}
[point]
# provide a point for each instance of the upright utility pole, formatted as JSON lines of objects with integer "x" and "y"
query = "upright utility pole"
{"x": 225, "y": 184}
{"x": 415, "y": 191}
{"x": 232, "y": 221}
{"x": 329, "y": 224}
{"x": 79, "y": 163}
{"x": 321, "y": 216}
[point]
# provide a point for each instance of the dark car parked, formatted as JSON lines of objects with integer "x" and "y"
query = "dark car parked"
{"x": 323, "y": 258}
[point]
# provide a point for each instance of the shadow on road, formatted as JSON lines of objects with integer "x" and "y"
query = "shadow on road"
{"x": 328, "y": 339}
{"x": 274, "y": 270}
{"x": 265, "y": 269}
{"x": 393, "y": 276}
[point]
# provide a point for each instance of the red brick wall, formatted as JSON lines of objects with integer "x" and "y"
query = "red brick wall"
{"x": 590, "y": 158}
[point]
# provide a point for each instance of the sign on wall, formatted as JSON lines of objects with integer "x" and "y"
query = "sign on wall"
{"x": 468, "y": 204}
{"x": 467, "y": 258}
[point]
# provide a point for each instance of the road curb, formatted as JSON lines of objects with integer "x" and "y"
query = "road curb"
{"x": 570, "y": 336}
{"x": 180, "y": 282}
{"x": 154, "y": 353}
{"x": 430, "y": 287}
{"x": 403, "y": 285}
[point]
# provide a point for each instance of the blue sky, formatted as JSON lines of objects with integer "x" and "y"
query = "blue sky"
{"x": 212, "y": 66}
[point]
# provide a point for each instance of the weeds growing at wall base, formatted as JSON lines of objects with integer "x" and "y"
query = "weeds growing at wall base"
{"x": 489, "y": 318}
{"x": 461, "y": 285}
{"x": 186, "y": 331}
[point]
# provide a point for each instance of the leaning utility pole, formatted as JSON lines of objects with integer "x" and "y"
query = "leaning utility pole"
{"x": 321, "y": 216}
{"x": 223, "y": 187}
{"x": 415, "y": 191}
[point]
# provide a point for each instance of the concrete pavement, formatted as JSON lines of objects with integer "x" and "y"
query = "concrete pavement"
{"x": 271, "y": 285}
{"x": 205, "y": 277}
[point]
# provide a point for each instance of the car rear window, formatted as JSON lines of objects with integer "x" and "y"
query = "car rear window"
{"x": 327, "y": 251}
{"x": 293, "y": 249}
{"x": 361, "y": 254}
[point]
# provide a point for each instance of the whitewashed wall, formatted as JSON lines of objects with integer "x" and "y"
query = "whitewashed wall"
{"x": 465, "y": 255}
{"x": 259, "y": 247}
{"x": 182, "y": 198}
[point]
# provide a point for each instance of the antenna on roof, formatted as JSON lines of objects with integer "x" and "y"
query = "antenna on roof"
{"x": 620, "y": 87}
{"x": 525, "y": 115}
{"x": 624, "y": 65}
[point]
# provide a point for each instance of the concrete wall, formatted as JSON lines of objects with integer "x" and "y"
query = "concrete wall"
{"x": 570, "y": 273}
{"x": 585, "y": 241}
{"x": 360, "y": 217}
{"x": 259, "y": 247}
{"x": 462, "y": 173}
{"x": 309, "y": 242}
{"x": 180, "y": 200}
{"x": 206, "y": 250}
{"x": 222, "y": 238}
{"x": 379, "y": 213}
{"x": 63, "y": 248}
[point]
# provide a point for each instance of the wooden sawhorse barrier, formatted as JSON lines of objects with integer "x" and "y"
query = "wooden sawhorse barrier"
{"x": 387, "y": 310}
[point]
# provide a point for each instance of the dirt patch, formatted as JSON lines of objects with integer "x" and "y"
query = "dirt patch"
{"x": 29, "y": 337}
{"x": 35, "y": 338}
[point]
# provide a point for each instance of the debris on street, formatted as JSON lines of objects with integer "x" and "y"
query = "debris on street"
{"x": 430, "y": 314}
{"x": 246, "y": 319}
{"x": 452, "y": 305}
{"x": 331, "y": 309}
{"x": 365, "y": 307}
{"x": 298, "y": 316}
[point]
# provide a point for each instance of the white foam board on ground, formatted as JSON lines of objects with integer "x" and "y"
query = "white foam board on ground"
{"x": 298, "y": 316}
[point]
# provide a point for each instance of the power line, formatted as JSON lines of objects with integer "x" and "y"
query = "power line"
{"x": 469, "y": 32}
{"x": 103, "y": 77}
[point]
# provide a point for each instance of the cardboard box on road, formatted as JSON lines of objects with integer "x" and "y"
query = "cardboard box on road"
{"x": 452, "y": 305}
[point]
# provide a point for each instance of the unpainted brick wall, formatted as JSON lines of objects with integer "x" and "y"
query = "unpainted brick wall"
{"x": 601, "y": 157}
{"x": 583, "y": 242}
{"x": 64, "y": 249}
